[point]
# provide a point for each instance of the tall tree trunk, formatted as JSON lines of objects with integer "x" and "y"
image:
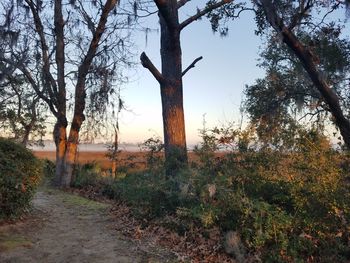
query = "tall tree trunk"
{"x": 172, "y": 95}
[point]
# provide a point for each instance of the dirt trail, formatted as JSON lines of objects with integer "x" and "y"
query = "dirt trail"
{"x": 69, "y": 228}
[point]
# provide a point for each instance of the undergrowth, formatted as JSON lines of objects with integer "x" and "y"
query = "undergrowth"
{"x": 284, "y": 205}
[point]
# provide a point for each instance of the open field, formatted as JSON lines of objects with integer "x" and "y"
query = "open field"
{"x": 135, "y": 160}
{"x": 138, "y": 158}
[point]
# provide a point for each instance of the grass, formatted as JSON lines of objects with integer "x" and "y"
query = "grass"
{"x": 13, "y": 241}
{"x": 75, "y": 200}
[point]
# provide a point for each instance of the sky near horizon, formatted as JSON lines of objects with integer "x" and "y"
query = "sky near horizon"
{"x": 214, "y": 87}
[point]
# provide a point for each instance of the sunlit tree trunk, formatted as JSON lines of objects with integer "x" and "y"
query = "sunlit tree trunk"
{"x": 73, "y": 138}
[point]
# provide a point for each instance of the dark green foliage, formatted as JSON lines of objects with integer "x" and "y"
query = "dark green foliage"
{"x": 49, "y": 169}
{"x": 150, "y": 195}
{"x": 20, "y": 173}
{"x": 219, "y": 17}
{"x": 86, "y": 175}
{"x": 155, "y": 151}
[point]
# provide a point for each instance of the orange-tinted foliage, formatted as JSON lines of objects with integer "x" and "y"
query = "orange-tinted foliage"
{"x": 136, "y": 160}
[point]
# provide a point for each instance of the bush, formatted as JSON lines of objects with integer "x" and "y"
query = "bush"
{"x": 49, "y": 168}
{"x": 86, "y": 175}
{"x": 149, "y": 194}
{"x": 288, "y": 206}
{"x": 20, "y": 174}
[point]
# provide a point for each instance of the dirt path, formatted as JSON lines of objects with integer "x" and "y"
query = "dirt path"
{"x": 69, "y": 228}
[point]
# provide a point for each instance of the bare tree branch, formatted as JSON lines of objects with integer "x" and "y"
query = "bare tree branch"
{"x": 147, "y": 63}
{"x": 304, "y": 8}
{"x": 48, "y": 78}
{"x": 37, "y": 90}
{"x": 192, "y": 65}
{"x": 203, "y": 12}
{"x": 181, "y": 3}
{"x": 90, "y": 24}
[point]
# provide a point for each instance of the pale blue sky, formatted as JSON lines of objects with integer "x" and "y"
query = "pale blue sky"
{"x": 214, "y": 87}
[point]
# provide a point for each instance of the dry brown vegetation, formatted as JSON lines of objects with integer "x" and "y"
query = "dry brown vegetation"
{"x": 126, "y": 158}
{"x": 100, "y": 158}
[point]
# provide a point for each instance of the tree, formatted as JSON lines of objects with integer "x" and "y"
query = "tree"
{"x": 286, "y": 94}
{"x": 22, "y": 113}
{"x": 170, "y": 77}
{"x": 62, "y": 45}
{"x": 287, "y": 18}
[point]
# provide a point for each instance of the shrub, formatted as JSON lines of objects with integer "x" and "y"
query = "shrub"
{"x": 149, "y": 194}
{"x": 20, "y": 174}
{"x": 154, "y": 157}
{"x": 288, "y": 206}
{"x": 49, "y": 169}
{"x": 86, "y": 175}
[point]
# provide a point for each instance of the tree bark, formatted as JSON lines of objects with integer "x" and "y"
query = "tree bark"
{"x": 60, "y": 137}
{"x": 69, "y": 157}
{"x": 172, "y": 93}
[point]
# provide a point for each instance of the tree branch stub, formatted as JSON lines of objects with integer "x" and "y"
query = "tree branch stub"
{"x": 192, "y": 65}
{"x": 147, "y": 63}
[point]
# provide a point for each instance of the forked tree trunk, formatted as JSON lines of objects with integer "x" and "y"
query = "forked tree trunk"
{"x": 80, "y": 95}
{"x": 69, "y": 160}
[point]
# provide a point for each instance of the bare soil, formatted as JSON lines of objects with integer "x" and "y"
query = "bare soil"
{"x": 68, "y": 228}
